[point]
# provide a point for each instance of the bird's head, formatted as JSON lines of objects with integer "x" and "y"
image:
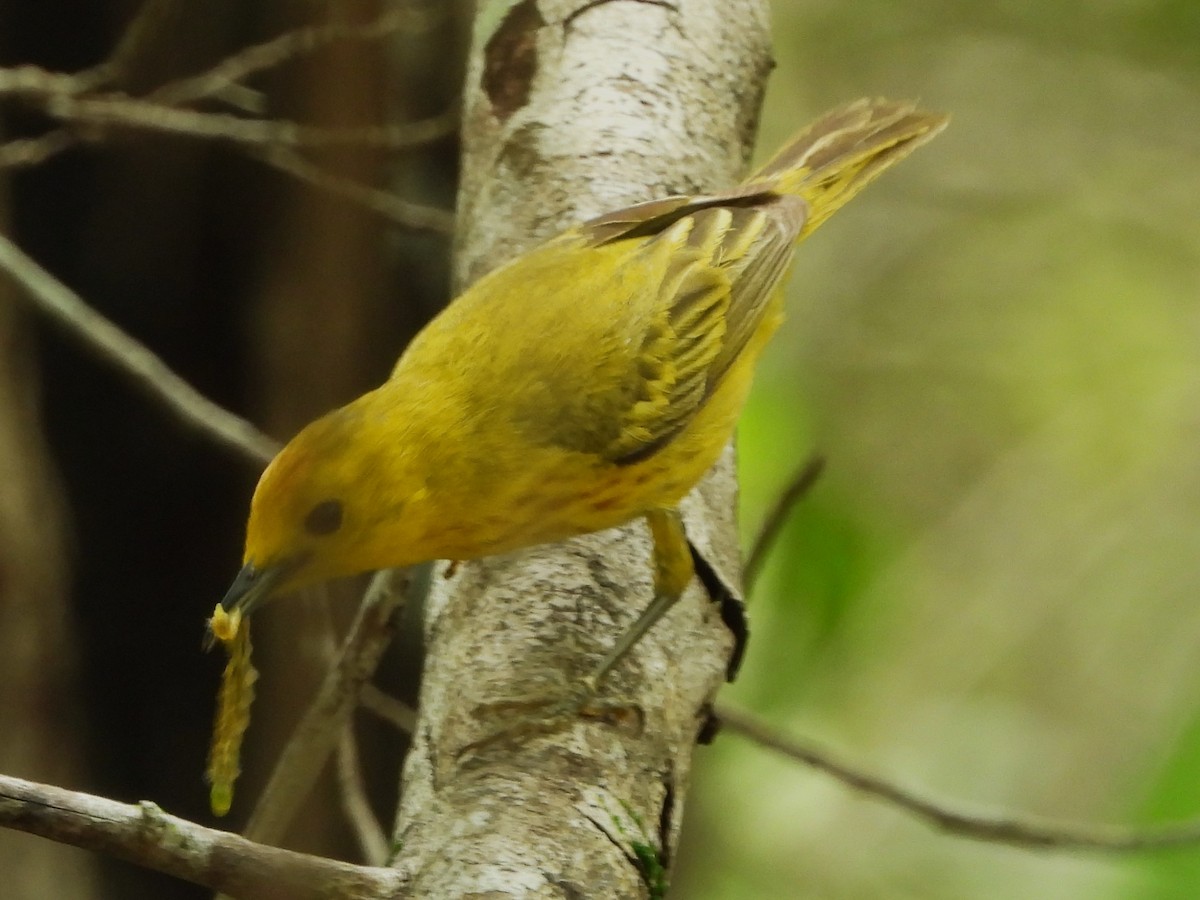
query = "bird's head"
{"x": 334, "y": 502}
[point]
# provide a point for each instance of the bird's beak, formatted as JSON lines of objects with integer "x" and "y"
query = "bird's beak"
{"x": 254, "y": 586}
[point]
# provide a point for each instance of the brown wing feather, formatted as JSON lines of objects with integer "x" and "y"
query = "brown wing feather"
{"x": 716, "y": 265}
{"x": 725, "y": 258}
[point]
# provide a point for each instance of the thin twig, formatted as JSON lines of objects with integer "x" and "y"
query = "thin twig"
{"x": 143, "y": 31}
{"x": 115, "y": 111}
{"x": 219, "y": 82}
{"x": 149, "y": 373}
{"x": 67, "y": 98}
{"x": 372, "y": 841}
{"x": 245, "y": 99}
{"x": 36, "y": 83}
{"x": 386, "y": 707}
{"x": 24, "y": 152}
{"x": 275, "y": 52}
{"x": 799, "y": 485}
{"x": 137, "y": 36}
{"x": 352, "y": 792}
{"x": 317, "y": 734}
{"x": 1022, "y": 832}
{"x": 400, "y": 212}
{"x": 145, "y": 835}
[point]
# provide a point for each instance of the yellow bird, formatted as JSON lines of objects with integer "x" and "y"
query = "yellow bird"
{"x": 591, "y": 381}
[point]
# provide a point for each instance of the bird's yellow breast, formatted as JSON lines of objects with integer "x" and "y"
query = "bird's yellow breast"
{"x": 549, "y": 494}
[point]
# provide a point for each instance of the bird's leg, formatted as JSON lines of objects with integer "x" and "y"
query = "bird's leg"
{"x": 673, "y": 569}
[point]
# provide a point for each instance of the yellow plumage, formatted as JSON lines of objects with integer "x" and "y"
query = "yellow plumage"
{"x": 590, "y": 381}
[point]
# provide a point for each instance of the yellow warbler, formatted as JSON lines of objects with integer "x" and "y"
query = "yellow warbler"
{"x": 588, "y": 382}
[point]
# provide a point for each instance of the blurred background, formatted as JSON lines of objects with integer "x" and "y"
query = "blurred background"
{"x": 992, "y": 596}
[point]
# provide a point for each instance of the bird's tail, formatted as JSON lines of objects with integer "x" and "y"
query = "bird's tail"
{"x": 843, "y": 151}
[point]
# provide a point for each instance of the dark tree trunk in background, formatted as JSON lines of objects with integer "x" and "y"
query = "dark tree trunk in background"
{"x": 274, "y": 299}
{"x": 39, "y": 697}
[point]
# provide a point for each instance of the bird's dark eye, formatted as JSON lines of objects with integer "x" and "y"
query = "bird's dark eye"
{"x": 324, "y": 518}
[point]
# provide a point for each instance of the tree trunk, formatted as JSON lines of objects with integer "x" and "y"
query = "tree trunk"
{"x": 39, "y": 699}
{"x": 573, "y": 108}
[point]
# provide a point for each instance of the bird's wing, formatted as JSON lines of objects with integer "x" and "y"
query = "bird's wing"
{"x": 714, "y": 264}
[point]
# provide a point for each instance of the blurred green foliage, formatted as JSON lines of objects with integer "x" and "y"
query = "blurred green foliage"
{"x": 993, "y": 594}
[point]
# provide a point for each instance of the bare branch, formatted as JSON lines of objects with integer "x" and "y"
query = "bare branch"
{"x": 148, "y": 19}
{"x": 67, "y": 98}
{"x": 318, "y": 732}
{"x": 388, "y": 708}
{"x": 34, "y": 151}
{"x": 798, "y": 487}
{"x": 355, "y": 803}
{"x": 352, "y": 792}
{"x": 395, "y": 210}
{"x": 35, "y": 83}
{"x": 54, "y": 92}
{"x": 117, "y": 111}
{"x": 149, "y": 837}
{"x": 147, "y": 371}
{"x": 243, "y": 98}
{"x": 143, "y": 30}
{"x": 279, "y": 50}
{"x": 1025, "y": 833}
